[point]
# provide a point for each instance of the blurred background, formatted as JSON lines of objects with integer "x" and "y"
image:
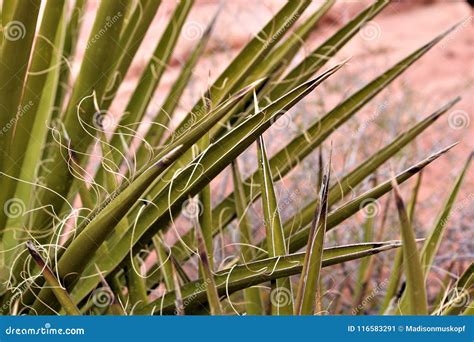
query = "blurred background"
{"x": 444, "y": 73}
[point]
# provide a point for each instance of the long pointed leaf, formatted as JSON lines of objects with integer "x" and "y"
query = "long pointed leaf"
{"x": 14, "y": 55}
{"x": 243, "y": 276}
{"x": 274, "y": 232}
{"x": 130, "y": 40}
{"x": 298, "y": 240}
{"x": 252, "y": 295}
{"x": 160, "y": 122}
{"x": 412, "y": 263}
{"x": 60, "y": 293}
{"x": 434, "y": 240}
{"x": 310, "y": 275}
{"x": 247, "y": 60}
{"x": 301, "y": 146}
{"x": 151, "y": 77}
{"x": 212, "y": 161}
{"x": 96, "y": 70}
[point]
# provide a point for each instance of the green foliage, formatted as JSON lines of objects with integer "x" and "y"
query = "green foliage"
{"x": 81, "y": 232}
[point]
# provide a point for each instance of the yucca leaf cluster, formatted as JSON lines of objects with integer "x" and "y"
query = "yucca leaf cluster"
{"x": 80, "y": 236}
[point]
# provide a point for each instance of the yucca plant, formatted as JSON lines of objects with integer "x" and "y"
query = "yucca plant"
{"x": 81, "y": 237}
